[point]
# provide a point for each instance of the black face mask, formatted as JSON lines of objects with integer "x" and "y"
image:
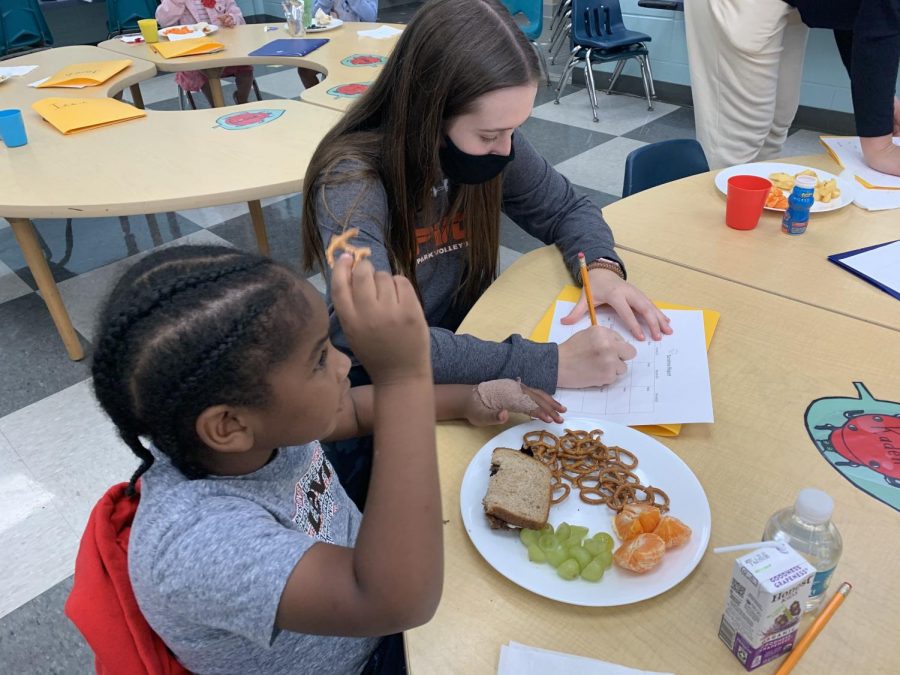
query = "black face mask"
{"x": 461, "y": 167}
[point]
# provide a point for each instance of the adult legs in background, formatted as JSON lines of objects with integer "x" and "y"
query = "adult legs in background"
{"x": 745, "y": 75}
{"x": 243, "y": 80}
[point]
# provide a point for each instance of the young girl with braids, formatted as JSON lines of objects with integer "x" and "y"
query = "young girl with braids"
{"x": 246, "y": 555}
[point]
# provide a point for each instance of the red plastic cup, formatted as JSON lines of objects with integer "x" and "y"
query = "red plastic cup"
{"x": 746, "y": 199}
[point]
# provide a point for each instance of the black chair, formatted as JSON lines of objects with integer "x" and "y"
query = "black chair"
{"x": 662, "y": 162}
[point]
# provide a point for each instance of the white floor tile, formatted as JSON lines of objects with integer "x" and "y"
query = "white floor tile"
{"x": 216, "y": 215}
{"x": 284, "y": 83}
{"x": 11, "y": 286}
{"x": 602, "y": 167}
{"x": 802, "y": 142}
{"x": 160, "y": 88}
{"x": 618, "y": 114}
{"x": 507, "y": 258}
{"x": 37, "y": 545}
{"x": 71, "y": 449}
{"x": 84, "y": 293}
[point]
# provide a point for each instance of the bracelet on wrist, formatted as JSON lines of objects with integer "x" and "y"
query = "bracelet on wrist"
{"x": 605, "y": 264}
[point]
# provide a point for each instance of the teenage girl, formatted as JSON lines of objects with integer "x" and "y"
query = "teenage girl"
{"x": 425, "y": 163}
{"x": 246, "y": 554}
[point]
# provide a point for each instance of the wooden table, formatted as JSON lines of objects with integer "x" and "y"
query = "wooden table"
{"x": 147, "y": 165}
{"x": 770, "y": 357}
{"x": 343, "y": 42}
{"x": 683, "y": 222}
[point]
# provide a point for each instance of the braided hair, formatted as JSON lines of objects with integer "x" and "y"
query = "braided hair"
{"x": 186, "y": 328}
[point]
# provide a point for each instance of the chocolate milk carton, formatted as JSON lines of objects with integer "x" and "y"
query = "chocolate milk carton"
{"x": 764, "y": 604}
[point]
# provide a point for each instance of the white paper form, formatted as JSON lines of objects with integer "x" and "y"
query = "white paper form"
{"x": 666, "y": 383}
{"x": 519, "y": 659}
{"x": 848, "y": 150}
{"x": 881, "y": 264}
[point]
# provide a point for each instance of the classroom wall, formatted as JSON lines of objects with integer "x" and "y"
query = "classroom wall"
{"x": 825, "y": 82}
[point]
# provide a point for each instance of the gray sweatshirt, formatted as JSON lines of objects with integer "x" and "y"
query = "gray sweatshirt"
{"x": 536, "y": 197}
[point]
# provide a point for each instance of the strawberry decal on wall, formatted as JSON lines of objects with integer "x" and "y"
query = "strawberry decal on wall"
{"x": 247, "y": 119}
{"x": 362, "y": 60}
{"x": 352, "y": 90}
{"x": 860, "y": 438}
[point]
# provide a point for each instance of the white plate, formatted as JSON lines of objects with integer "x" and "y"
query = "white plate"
{"x": 766, "y": 169}
{"x": 657, "y": 465}
{"x": 3, "y": 78}
{"x": 335, "y": 23}
{"x": 207, "y": 28}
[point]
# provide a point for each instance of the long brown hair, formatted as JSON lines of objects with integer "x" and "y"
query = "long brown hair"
{"x": 452, "y": 52}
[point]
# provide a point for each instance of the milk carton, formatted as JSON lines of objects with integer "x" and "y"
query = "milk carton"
{"x": 764, "y": 604}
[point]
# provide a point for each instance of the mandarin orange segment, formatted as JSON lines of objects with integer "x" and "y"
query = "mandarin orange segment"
{"x": 641, "y": 554}
{"x": 635, "y": 519}
{"x": 672, "y": 531}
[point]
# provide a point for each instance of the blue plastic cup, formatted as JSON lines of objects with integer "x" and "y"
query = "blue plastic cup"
{"x": 12, "y": 128}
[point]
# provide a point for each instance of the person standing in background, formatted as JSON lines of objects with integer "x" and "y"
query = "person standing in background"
{"x": 746, "y": 61}
{"x": 867, "y": 33}
{"x": 345, "y": 10}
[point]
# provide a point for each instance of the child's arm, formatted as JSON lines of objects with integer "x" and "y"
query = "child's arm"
{"x": 231, "y": 9}
{"x": 452, "y": 402}
{"x": 392, "y": 579}
{"x": 169, "y": 12}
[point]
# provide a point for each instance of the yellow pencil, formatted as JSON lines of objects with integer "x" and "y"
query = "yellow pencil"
{"x": 587, "y": 288}
{"x": 804, "y": 642}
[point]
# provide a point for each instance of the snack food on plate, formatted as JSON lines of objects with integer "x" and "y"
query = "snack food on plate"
{"x": 322, "y": 19}
{"x": 518, "y": 493}
{"x": 341, "y": 242}
{"x": 640, "y": 554}
{"x": 776, "y": 199}
{"x": 784, "y": 182}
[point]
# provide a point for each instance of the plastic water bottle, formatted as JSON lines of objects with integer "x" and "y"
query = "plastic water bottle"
{"x": 796, "y": 215}
{"x": 308, "y": 14}
{"x": 807, "y": 528}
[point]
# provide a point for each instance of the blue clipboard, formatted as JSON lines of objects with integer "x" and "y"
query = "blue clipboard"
{"x": 289, "y": 47}
{"x": 838, "y": 258}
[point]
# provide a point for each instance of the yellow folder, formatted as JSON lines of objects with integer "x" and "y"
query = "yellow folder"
{"x": 541, "y": 333}
{"x": 70, "y": 115}
{"x": 190, "y": 47}
{"x": 86, "y": 74}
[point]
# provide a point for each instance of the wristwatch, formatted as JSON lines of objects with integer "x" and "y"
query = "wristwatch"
{"x": 607, "y": 264}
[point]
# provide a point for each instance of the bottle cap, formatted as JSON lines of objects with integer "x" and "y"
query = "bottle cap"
{"x": 805, "y": 181}
{"x": 814, "y": 506}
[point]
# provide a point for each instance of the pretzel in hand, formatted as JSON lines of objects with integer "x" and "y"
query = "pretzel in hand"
{"x": 341, "y": 242}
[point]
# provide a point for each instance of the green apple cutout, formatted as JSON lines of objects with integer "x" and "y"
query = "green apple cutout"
{"x": 860, "y": 438}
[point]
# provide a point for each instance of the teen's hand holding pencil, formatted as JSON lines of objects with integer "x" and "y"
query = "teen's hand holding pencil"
{"x": 634, "y": 308}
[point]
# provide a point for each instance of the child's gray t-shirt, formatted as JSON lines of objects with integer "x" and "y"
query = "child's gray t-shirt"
{"x": 209, "y": 559}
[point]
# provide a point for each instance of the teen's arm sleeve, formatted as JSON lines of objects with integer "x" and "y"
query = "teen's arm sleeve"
{"x": 456, "y": 359}
{"x": 543, "y": 202}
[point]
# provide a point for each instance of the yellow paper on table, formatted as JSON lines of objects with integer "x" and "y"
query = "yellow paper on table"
{"x": 70, "y": 115}
{"x": 541, "y": 333}
{"x": 85, "y": 74}
{"x": 191, "y": 47}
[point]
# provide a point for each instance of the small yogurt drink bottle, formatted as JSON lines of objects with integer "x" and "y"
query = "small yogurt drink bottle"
{"x": 807, "y": 527}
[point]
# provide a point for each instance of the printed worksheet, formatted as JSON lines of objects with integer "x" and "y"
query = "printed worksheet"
{"x": 666, "y": 383}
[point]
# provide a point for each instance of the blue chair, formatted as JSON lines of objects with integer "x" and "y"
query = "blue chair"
{"x": 123, "y": 15}
{"x": 22, "y": 26}
{"x": 662, "y": 162}
{"x": 599, "y": 36}
{"x": 533, "y": 11}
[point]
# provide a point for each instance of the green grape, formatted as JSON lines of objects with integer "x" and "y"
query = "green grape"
{"x": 581, "y": 555}
{"x": 593, "y": 571}
{"x": 547, "y": 529}
{"x": 528, "y": 537}
{"x": 578, "y": 531}
{"x": 568, "y": 570}
{"x": 536, "y": 554}
{"x": 547, "y": 541}
{"x": 562, "y": 531}
{"x": 604, "y": 559}
{"x": 555, "y": 556}
{"x": 572, "y": 541}
{"x": 605, "y": 539}
{"x": 593, "y": 547}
